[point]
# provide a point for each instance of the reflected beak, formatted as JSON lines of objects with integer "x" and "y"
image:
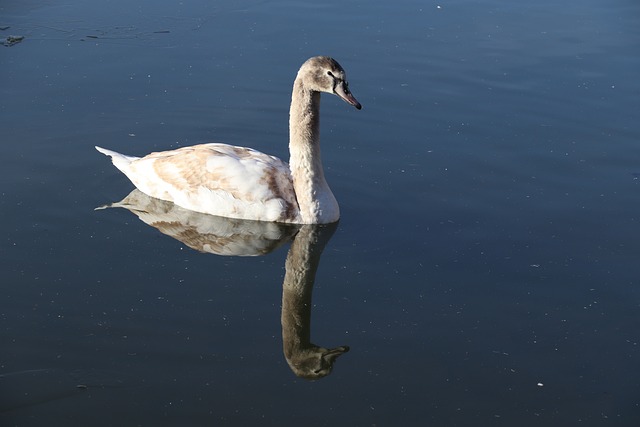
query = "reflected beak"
{"x": 332, "y": 353}
{"x": 343, "y": 92}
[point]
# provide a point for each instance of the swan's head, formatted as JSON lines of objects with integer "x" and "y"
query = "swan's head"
{"x": 324, "y": 74}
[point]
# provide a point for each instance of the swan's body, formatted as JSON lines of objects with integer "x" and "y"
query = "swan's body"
{"x": 239, "y": 182}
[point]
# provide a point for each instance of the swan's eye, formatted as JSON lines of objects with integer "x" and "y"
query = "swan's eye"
{"x": 329, "y": 73}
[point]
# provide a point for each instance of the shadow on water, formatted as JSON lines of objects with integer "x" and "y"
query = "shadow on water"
{"x": 234, "y": 237}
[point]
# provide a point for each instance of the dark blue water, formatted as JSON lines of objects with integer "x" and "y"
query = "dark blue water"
{"x": 485, "y": 269}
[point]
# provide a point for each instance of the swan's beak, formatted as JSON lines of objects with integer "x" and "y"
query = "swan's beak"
{"x": 343, "y": 92}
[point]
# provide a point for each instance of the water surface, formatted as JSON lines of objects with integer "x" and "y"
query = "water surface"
{"x": 484, "y": 271}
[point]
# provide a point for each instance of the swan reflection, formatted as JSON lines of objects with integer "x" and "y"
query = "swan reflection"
{"x": 234, "y": 237}
{"x": 207, "y": 233}
{"x": 306, "y": 359}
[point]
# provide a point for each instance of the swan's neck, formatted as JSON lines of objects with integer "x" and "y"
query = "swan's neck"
{"x": 315, "y": 199}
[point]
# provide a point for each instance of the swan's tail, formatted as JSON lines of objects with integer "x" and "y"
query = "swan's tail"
{"x": 110, "y": 205}
{"x": 119, "y": 160}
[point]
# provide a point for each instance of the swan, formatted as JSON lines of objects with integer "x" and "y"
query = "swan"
{"x": 243, "y": 183}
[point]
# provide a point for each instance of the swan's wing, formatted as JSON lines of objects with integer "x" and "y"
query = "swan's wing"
{"x": 219, "y": 179}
